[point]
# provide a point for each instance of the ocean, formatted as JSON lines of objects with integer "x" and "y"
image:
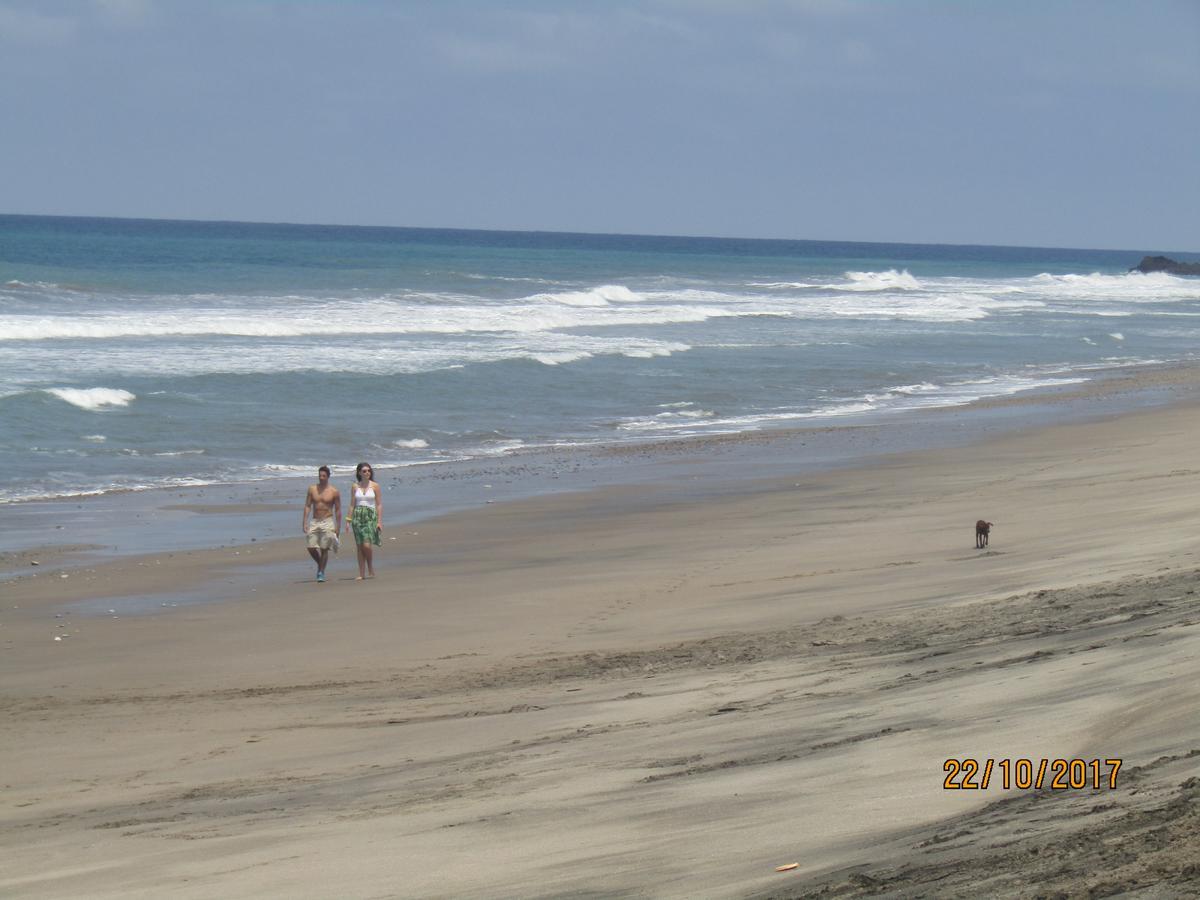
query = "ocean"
{"x": 137, "y": 354}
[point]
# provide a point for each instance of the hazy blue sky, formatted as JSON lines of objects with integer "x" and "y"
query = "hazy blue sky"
{"x": 1046, "y": 123}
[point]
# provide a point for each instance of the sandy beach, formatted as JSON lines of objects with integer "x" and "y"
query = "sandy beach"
{"x": 632, "y": 693}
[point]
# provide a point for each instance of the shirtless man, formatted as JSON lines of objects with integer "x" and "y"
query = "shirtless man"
{"x": 325, "y": 502}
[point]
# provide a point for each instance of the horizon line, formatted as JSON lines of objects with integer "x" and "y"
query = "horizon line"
{"x": 600, "y": 234}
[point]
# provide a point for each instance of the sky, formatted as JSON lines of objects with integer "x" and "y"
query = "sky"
{"x": 1068, "y": 123}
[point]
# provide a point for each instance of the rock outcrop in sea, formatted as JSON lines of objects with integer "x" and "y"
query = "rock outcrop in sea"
{"x": 1166, "y": 264}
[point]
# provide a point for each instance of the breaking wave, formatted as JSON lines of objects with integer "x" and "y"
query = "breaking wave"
{"x": 891, "y": 280}
{"x": 1129, "y": 286}
{"x": 93, "y": 398}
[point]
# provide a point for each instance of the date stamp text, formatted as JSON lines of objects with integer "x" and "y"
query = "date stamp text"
{"x": 969, "y": 774}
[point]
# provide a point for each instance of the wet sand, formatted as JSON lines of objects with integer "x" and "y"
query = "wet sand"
{"x": 631, "y": 692}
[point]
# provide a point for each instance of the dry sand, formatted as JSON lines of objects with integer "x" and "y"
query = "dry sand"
{"x": 623, "y": 694}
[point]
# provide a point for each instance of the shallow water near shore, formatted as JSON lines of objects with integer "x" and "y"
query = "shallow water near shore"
{"x": 131, "y": 523}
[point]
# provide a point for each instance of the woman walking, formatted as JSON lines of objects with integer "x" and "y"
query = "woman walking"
{"x": 366, "y": 518}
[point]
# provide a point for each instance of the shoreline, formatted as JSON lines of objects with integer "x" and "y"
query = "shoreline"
{"x": 129, "y": 522}
{"x": 640, "y": 690}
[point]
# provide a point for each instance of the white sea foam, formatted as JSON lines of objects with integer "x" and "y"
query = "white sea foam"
{"x": 919, "y": 307}
{"x": 93, "y": 398}
{"x": 495, "y": 448}
{"x": 675, "y": 419}
{"x": 576, "y": 348}
{"x": 475, "y": 276}
{"x": 413, "y": 444}
{"x": 894, "y": 294}
{"x": 923, "y": 387}
{"x": 376, "y": 355}
{"x": 793, "y": 285}
{"x": 564, "y": 356}
{"x": 1117, "y": 336}
{"x": 1003, "y": 385}
{"x": 650, "y": 350}
{"x": 891, "y": 280}
{"x": 1131, "y": 287}
{"x": 756, "y": 421}
{"x": 946, "y": 300}
{"x": 990, "y": 287}
{"x": 95, "y": 438}
{"x": 280, "y": 318}
{"x": 1106, "y": 363}
{"x": 922, "y": 395}
{"x": 599, "y": 296}
{"x": 22, "y": 494}
{"x": 285, "y": 469}
{"x": 19, "y": 495}
{"x": 17, "y": 285}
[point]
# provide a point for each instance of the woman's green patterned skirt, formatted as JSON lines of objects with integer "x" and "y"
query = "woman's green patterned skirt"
{"x": 365, "y": 524}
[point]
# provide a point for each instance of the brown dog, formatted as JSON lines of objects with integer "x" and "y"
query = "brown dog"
{"x": 982, "y": 530}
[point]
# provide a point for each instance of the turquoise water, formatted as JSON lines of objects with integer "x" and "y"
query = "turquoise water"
{"x": 145, "y": 353}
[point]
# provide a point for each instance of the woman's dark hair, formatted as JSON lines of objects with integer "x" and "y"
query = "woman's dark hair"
{"x": 362, "y": 465}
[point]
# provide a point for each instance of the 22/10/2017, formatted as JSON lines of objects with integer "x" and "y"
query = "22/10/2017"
{"x": 1064, "y": 774}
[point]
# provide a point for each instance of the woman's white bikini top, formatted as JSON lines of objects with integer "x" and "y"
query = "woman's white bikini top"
{"x": 364, "y": 498}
